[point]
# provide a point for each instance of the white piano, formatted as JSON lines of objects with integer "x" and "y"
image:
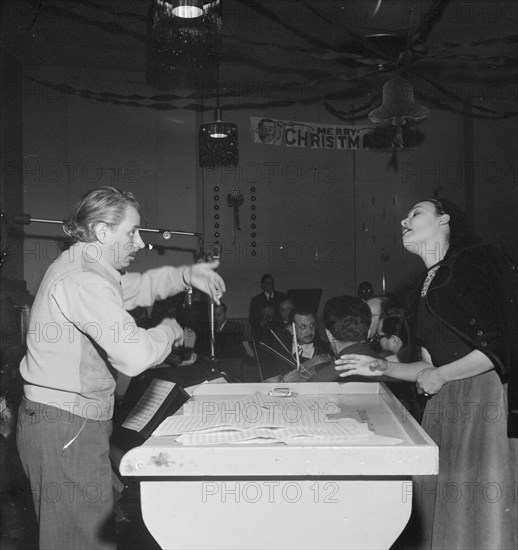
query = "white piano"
{"x": 277, "y": 496}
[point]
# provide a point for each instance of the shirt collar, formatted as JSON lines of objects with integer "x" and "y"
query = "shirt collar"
{"x": 308, "y": 350}
{"x": 92, "y": 253}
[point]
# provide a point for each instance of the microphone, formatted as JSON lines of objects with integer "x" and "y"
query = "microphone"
{"x": 216, "y": 251}
{"x": 188, "y": 298}
{"x": 22, "y": 219}
{"x": 167, "y": 233}
{"x": 25, "y": 219}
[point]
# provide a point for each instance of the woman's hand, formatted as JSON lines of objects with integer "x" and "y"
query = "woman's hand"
{"x": 360, "y": 364}
{"x": 203, "y": 276}
{"x": 429, "y": 381}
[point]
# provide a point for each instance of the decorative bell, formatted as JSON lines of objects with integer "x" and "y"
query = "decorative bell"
{"x": 398, "y": 107}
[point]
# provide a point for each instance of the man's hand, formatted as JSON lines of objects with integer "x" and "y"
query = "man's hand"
{"x": 189, "y": 338}
{"x": 178, "y": 333}
{"x": 360, "y": 364}
{"x": 203, "y": 276}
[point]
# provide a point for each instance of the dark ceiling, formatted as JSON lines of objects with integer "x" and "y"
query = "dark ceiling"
{"x": 330, "y": 51}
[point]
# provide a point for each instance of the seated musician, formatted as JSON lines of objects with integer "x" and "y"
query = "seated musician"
{"x": 286, "y": 308}
{"x": 264, "y": 306}
{"x": 283, "y": 348}
{"x": 347, "y": 320}
{"x": 228, "y": 334}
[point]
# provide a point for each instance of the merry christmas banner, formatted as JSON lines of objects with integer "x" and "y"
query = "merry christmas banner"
{"x": 314, "y": 135}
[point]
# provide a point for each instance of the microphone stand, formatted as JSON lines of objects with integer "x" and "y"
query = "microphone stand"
{"x": 213, "y": 362}
{"x": 25, "y": 219}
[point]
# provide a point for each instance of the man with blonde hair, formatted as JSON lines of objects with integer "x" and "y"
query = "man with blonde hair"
{"x": 80, "y": 334}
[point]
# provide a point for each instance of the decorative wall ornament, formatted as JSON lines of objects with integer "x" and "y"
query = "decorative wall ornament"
{"x": 216, "y": 213}
{"x": 234, "y": 200}
{"x": 253, "y": 221}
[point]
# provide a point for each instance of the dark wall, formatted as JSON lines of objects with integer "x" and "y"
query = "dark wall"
{"x": 324, "y": 218}
{"x": 11, "y": 155}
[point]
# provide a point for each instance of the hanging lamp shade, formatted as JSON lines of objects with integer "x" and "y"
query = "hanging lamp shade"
{"x": 186, "y": 9}
{"x": 218, "y": 142}
{"x": 218, "y": 129}
{"x": 398, "y": 107}
{"x": 182, "y": 53}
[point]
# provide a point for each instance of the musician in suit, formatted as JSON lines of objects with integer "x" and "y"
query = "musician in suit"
{"x": 280, "y": 349}
{"x": 228, "y": 336}
{"x": 264, "y": 307}
{"x": 285, "y": 309}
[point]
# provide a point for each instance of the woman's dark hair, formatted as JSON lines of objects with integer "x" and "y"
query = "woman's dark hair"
{"x": 395, "y": 324}
{"x": 105, "y": 204}
{"x": 461, "y": 234}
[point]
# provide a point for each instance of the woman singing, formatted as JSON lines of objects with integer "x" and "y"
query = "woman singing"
{"x": 468, "y": 355}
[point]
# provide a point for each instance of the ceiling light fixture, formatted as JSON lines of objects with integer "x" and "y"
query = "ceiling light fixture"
{"x": 182, "y": 54}
{"x": 218, "y": 139}
{"x": 187, "y": 9}
{"x": 218, "y": 129}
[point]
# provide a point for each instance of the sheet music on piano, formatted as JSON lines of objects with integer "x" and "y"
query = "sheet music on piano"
{"x": 149, "y": 404}
{"x": 261, "y": 418}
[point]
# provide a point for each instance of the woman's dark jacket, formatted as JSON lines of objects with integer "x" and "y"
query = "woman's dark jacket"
{"x": 475, "y": 294}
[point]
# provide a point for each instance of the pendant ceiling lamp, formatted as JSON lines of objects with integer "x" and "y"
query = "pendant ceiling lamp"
{"x": 218, "y": 129}
{"x": 218, "y": 143}
{"x": 186, "y": 9}
{"x": 183, "y": 43}
{"x": 398, "y": 108}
